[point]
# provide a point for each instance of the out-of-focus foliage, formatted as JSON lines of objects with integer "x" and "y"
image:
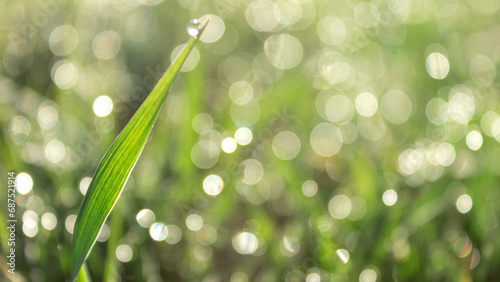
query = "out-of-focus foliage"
{"x": 304, "y": 140}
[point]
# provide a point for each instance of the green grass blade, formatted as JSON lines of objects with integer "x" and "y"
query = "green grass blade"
{"x": 117, "y": 164}
{"x": 83, "y": 275}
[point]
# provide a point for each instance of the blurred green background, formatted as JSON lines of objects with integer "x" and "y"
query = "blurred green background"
{"x": 303, "y": 141}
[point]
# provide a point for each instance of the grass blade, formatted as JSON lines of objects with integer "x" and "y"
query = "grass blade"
{"x": 117, "y": 164}
{"x": 83, "y": 275}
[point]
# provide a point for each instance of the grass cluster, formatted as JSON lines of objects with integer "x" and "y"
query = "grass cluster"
{"x": 301, "y": 141}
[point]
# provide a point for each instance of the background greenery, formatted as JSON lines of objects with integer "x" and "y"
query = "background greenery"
{"x": 279, "y": 68}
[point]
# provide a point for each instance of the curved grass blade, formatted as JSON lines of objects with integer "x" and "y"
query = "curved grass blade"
{"x": 117, "y": 164}
{"x": 83, "y": 274}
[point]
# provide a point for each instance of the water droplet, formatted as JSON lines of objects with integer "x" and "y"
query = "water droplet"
{"x": 49, "y": 221}
{"x": 174, "y": 234}
{"x": 70, "y": 223}
{"x": 313, "y": 277}
{"x": 124, "y": 253}
{"x": 309, "y": 188}
{"x": 245, "y": 243}
{"x": 368, "y": 275}
{"x": 437, "y": 65}
{"x": 474, "y": 140}
{"x": 464, "y": 203}
{"x": 145, "y": 218}
{"x": 229, "y": 145}
{"x": 24, "y": 183}
{"x": 84, "y": 185}
{"x": 390, "y": 197}
{"x": 243, "y": 136}
{"x": 343, "y": 254}
{"x": 103, "y": 234}
{"x": 193, "y": 27}
{"x": 212, "y": 185}
{"x": 158, "y": 231}
{"x": 194, "y": 222}
{"x": 340, "y": 207}
{"x": 290, "y": 247}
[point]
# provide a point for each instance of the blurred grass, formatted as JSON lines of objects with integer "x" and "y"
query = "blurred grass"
{"x": 421, "y": 237}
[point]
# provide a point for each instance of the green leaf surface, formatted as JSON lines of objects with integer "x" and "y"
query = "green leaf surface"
{"x": 83, "y": 275}
{"x": 117, "y": 164}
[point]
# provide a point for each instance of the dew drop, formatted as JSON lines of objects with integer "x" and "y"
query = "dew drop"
{"x": 145, "y": 218}
{"x": 124, "y": 253}
{"x": 245, "y": 243}
{"x": 213, "y": 184}
{"x": 158, "y": 231}
{"x": 343, "y": 254}
{"x": 193, "y": 27}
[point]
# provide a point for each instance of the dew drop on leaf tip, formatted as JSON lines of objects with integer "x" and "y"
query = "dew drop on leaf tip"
{"x": 194, "y": 27}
